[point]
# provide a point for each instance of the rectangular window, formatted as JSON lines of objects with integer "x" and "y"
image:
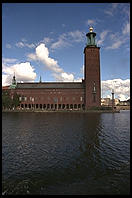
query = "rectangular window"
{"x": 73, "y": 98}
{"x": 22, "y": 98}
{"x": 55, "y": 99}
{"x": 61, "y": 99}
{"x": 81, "y": 98}
{"x": 94, "y": 97}
{"x": 67, "y": 98}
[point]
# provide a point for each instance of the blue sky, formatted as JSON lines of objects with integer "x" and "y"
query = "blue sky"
{"x": 48, "y": 39}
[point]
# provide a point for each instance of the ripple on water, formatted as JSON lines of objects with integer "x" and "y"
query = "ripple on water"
{"x": 65, "y": 153}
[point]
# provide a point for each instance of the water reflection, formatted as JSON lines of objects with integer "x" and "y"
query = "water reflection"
{"x": 63, "y": 153}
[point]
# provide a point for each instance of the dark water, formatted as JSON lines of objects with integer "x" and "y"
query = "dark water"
{"x": 66, "y": 153}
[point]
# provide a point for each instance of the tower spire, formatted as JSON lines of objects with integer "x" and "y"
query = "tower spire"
{"x": 40, "y": 79}
{"x": 112, "y": 99}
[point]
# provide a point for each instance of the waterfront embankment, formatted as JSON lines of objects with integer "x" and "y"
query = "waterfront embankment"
{"x": 64, "y": 111}
{"x": 123, "y": 107}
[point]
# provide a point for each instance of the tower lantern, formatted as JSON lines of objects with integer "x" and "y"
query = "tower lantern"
{"x": 91, "y": 37}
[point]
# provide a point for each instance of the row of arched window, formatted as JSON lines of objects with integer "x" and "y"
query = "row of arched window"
{"x": 52, "y": 106}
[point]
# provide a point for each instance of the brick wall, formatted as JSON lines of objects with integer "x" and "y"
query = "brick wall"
{"x": 92, "y": 74}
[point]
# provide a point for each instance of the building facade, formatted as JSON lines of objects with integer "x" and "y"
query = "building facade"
{"x": 65, "y": 95}
{"x": 108, "y": 101}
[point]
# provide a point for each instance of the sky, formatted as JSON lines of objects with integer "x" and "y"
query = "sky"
{"x": 48, "y": 40}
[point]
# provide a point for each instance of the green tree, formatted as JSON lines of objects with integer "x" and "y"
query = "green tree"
{"x": 8, "y": 102}
{"x": 15, "y": 101}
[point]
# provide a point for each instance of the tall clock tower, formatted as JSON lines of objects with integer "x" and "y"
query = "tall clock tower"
{"x": 92, "y": 71}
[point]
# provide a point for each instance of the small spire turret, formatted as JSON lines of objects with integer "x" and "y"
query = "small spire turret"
{"x": 14, "y": 80}
{"x": 14, "y": 83}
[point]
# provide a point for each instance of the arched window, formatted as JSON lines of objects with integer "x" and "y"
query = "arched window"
{"x": 36, "y": 106}
{"x": 25, "y": 105}
{"x": 67, "y": 106}
{"x": 21, "y": 105}
{"x": 44, "y": 106}
{"x": 71, "y": 106}
{"x": 83, "y": 106}
{"x": 79, "y": 106}
{"x": 63, "y": 106}
{"x": 75, "y": 106}
{"x": 59, "y": 106}
{"x": 29, "y": 106}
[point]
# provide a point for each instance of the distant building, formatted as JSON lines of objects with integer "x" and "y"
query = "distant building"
{"x": 125, "y": 103}
{"x": 117, "y": 102}
{"x": 5, "y": 87}
{"x": 65, "y": 95}
{"x": 106, "y": 102}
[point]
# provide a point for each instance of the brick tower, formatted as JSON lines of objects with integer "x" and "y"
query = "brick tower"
{"x": 92, "y": 72}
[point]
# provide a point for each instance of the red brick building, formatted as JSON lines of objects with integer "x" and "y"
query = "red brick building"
{"x": 65, "y": 95}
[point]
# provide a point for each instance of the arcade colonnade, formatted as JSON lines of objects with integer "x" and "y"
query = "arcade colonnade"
{"x": 52, "y": 106}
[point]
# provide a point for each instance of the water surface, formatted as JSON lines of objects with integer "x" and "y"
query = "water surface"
{"x": 66, "y": 153}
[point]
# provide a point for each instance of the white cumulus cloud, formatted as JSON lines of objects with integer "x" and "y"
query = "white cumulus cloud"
{"x": 121, "y": 88}
{"x": 23, "y": 72}
{"x": 42, "y": 54}
{"x": 6, "y": 80}
{"x": 64, "y": 77}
